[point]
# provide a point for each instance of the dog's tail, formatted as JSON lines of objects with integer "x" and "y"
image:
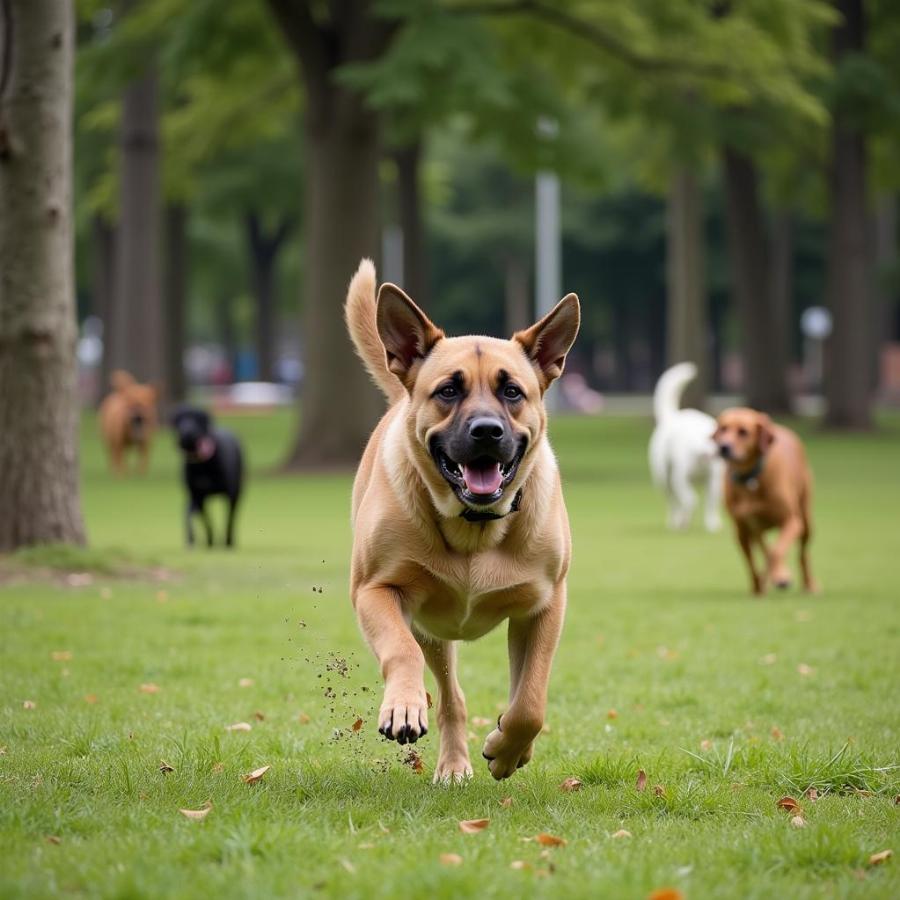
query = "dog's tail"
{"x": 119, "y": 379}
{"x": 359, "y": 311}
{"x": 670, "y": 387}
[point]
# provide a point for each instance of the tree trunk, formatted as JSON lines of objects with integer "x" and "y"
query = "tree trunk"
{"x": 138, "y": 332}
{"x": 228, "y": 333}
{"x": 687, "y": 318}
{"x": 103, "y": 242}
{"x": 782, "y": 282}
{"x": 176, "y": 300}
{"x": 39, "y": 495}
{"x": 885, "y": 262}
{"x": 518, "y": 307}
{"x": 264, "y": 250}
{"x": 848, "y": 390}
{"x": 765, "y": 365}
{"x": 412, "y": 224}
{"x": 338, "y": 404}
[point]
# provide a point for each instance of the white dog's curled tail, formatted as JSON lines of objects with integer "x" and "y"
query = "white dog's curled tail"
{"x": 670, "y": 387}
{"x": 359, "y": 311}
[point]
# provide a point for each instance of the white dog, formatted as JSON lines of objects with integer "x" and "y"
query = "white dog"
{"x": 682, "y": 452}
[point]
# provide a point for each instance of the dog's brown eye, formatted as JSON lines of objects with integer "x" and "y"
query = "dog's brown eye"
{"x": 742, "y": 432}
{"x": 447, "y": 392}
{"x": 512, "y": 392}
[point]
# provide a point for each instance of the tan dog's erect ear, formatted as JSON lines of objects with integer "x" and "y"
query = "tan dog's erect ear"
{"x": 547, "y": 342}
{"x": 406, "y": 332}
{"x": 765, "y": 432}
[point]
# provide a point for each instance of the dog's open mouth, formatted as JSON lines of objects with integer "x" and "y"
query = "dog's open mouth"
{"x": 481, "y": 481}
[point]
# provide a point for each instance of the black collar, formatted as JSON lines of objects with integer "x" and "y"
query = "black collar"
{"x": 474, "y": 515}
{"x": 750, "y": 478}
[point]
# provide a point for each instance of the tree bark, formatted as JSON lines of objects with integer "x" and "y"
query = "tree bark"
{"x": 39, "y": 495}
{"x": 138, "y": 328}
{"x": 782, "y": 282}
{"x": 848, "y": 389}
{"x": 176, "y": 300}
{"x": 103, "y": 242}
{"x": 264, "y": 250}
{"x": 765, "y": 365}
{"x": 687, "y": 309}
{"x": 412, "y": 222}
{"x": 338, "y": 404}
{"x": 885, "y": 261}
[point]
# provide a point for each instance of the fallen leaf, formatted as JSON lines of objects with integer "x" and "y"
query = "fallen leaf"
{"x": 665, "y": 893}
{"x": 53, "y": 839}
{"x": 90, "y": 698}
{"x": 571, "y": 784}
{"x": 149, "y": 688}
{"x": 165, "y": 768}
{"x": 414, "y": 761}
{"x": 197, "y": 814}
{"x": 3, "y": 750}
{"x": 259, "y": 716}
{"x": 218, "y": 767}
{"x": 357, "y": 725}
{"x": 659, "y": 790}
{"x": 706, "y": 745}
{"x": 428, "y": 700}
{"x": 506, "y": 802}
{"x": 255, "y": 775}
{"x": 621, "y": 833}
{"x": 550, "y": 840}
{"x": 246, "y": 682}
{"x": 473, "y": 826}
{"x": 777, "y": 734}
{"x": 804, "y": 669}
{"x": 304, "y": 719}
{"x": 612, "y": 714}
{"x": 641, "y": 780}
{"x": 876, "y": 859}
{"x": 239, "y": 726}
{"x": 61, "y": 655}
{"x": 519, "y": 864}
{"x": 450, "y": 859}
{"x": 897, "y": 800}
{"x": 812, "y": 794}
{"x": 481, "y": 722}
{"x": 798, "y": 821}
{"x": 29, "y": 704}
{"x": 863, "y": 793}
{"x": 789, "y": 804}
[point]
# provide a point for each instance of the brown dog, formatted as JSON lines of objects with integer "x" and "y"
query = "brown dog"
{"x": 768, "y": 484}
{"x": 459, "y": 520}
{"x": 128, "y": 419}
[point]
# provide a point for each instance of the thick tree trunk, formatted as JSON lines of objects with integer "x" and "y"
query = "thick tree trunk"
{"x": 228, "y": 333}
{"x": 103, "y": 242}
{"x": 39, "y": 498}
{"x": 338, "y": 405}
{"x": 885, "y": 261}
{"x": 688, "y": 328}
{"x": 138, "y": 328}
{"x": 518, "y": 306}
{"x": 412, "y": 223}
{"x": 781, "y": 275}
{"x": 848, "y": 389}
{"x": 765, "y": 365}
{"x": 176, "y": 300}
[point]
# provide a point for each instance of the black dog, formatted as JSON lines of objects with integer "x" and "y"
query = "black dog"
{"x": 213, "y": 464}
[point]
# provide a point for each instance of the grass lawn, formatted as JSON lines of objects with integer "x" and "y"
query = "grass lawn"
{"x": 666, "y": 665}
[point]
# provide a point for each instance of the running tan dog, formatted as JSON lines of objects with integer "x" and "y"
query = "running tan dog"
{"x": 128, "y": 419}
{"x": 459, "y": 520}
{"x": 768, "y": 485}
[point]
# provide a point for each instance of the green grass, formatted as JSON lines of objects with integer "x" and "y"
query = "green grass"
{"x": 660, "y": 629}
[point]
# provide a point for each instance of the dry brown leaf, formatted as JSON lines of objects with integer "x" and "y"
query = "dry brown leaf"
{"x": 897, "y": 800}
{"x": 197, "y": 815}
{"x": 520, "y": 864}
{"x": 506, "y": 802}
{"x": 259, "y": 716}
{"x": 239, "y": 726}
{"x": 798, "y": 821}
{"x": 304, "y": 719}
{"x": 255, "y": 775}
{"x": 149, "y": 688}
{"x": 428, "y": 700}
{"x": 550, "y": 840}
{"x": 665, "y": 893}
{"x": 812, "y": 794}
{"x": 612, "y": 714}
{"x": 61, "y": 655}
{"x": 165, "y": 768}
{"x": 473, "y": 826}
{"x": 481, "y": 722}
{"x": 357, "y": 725}
{"x": 876, "y": 859}
{"x": 641, "y": 784}
{"x": 450, "y": 859}
{"x": 29, "y": 704}
{"x": 777, "y": 734}
{"x": 804, "y": 669}
{"x": 414, "y": 761}
{"x": 621, "y": 833}
{"x": 571, "y": 784}
{"x": 660, "y": 790}
{"x": 863, "y": 793}
{"x": 90, "y": 698}
{"x": 789, "y": 804}
{"x": 706, "y": 745}
{"x": 246, "y": 682}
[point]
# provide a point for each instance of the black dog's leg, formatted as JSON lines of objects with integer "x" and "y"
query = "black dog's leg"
{"x": 232, "y": 509}
{"x": 207, "y": 524}
{"x": 189, "y": 523}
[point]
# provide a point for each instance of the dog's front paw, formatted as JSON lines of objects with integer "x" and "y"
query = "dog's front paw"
{"x": 403, "y": 716}
{"x": 453, "y": 768}
{"x": 508, "y": 748}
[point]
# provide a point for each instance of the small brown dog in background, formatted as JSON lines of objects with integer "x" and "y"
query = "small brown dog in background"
{"x": 768, "y": 485}
{"x": 128, "y": 419}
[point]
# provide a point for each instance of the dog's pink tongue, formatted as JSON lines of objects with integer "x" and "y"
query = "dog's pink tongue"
{"x": 483, "y": 480}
